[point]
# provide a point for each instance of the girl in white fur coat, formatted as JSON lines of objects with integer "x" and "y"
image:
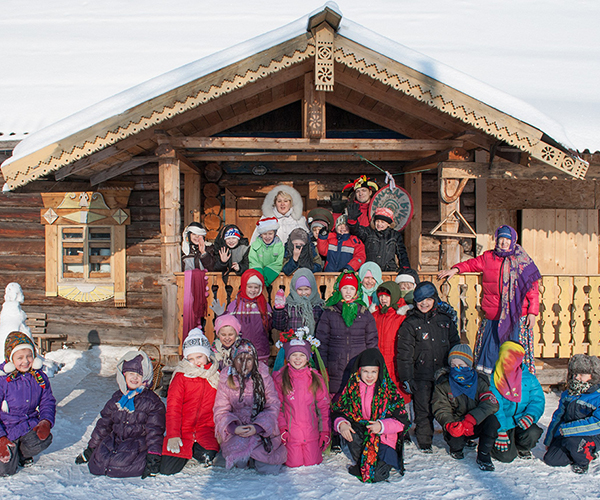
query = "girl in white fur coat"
{"x": 284, "y": 203}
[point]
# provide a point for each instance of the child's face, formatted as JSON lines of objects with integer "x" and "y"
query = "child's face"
{"x": 23, "y": 360}
{"x": 252, "y": 290}
{"x": 385, "y": 300}
{"x": 243, "y": 363}
{"x": 582, "y": 377}
{"x": 425, "y": 305}
{"x": 227, "y": 335}
{"x": 458, "y": 363}
{"x": 381, "y": 225}
{"x": 315, "y": 230}
{"x": 231, "y": 242}
{"x": 196, "y": 238}
{"x": 298, "y": 360}
{"x": 133, "y": 380}
{"x": 368, "y": 282}
{"x": 406, "y": 286}
{"x": 268, "y": 237}
{"x": 342, "y": 229}
{"x": 197, "y": 359}
{"x": 283, "y": 205}
{"x": 304, "y": 291}
{"x": 348, "y": 292}
{"x": 369, "y": 374}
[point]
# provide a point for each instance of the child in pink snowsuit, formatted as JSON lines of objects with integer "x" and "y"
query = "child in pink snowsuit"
{"x": 304, "y": 415}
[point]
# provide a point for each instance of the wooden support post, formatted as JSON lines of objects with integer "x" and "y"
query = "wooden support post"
{"x": 412, "y": 233}
{"x": 313, "y": 110}
{"x": 230, "y": 208}
{"x": 191, "y": 197}
{"x": 170, "y": 229}
{"x": 450, "y": 246}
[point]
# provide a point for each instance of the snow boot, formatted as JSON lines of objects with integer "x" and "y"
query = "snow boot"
{"x": 485, "y": 462}
{"x": 457, "y": 455}
{"x": 580, "y": 469}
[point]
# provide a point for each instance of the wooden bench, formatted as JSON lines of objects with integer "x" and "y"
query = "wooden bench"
{"x": 37, "y": 324}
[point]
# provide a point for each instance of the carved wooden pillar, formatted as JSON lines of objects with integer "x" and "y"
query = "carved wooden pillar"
{"x": 313, "y": 110}
{"x": 412, "y": 233}
{"x": 448, "y": 203}
{"x": 170, "y": 230}
{"x": 191, "y": 197}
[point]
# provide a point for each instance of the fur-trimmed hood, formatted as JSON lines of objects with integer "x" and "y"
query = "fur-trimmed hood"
{"x": 268, "y": 208}
{"x": 582, "y": 363}
{"x": 148, "y": 370}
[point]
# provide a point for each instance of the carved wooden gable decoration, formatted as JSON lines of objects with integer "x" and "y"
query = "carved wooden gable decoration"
{"x": 320, "y": 42}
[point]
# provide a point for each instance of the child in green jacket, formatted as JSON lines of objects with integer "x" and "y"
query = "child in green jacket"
{"x": 266, "y": 252}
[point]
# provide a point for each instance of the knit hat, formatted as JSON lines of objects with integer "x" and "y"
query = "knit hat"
{"x": 228, "y": 320}
{"x": 384, "y": 214}
{"x": 504, "y": 232}
{"x": 462, "y": 352}
{"x": 298, "y": 234}
{"x": 15, "y": 341}
{"x": 254, "y": 280}
{"x": 196, "y": 342}
{"x": 405, "y": 278}
{"x": 302, "y": 281}
{"x": 232, "y": 232}
{"x": 320, "y": 216}
{"x": 133, "y": 365}
{"x": 348, "y": 279}
{"x": 297, "y": 345}
{"x": 342, "y": 219}
{"x": 425, "y": 290}
{"x": 267, "y": 224}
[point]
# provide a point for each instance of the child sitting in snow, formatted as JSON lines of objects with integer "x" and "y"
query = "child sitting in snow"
{"x": 370, "y": 415}
{"x": 304, "y": 415}
{"x": 128, "y": 437}
{"x": 573, "y": 436}
{"x": 245, "y": 414}
{"x": 227, "y": 329}
{"x": 465, "y": 407}
{"x": 190, "y": 424}
{"x": 28, "y": 406}
{"x": 267, "y": 251}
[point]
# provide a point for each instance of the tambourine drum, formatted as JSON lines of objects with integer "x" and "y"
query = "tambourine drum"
{"x": 397, "y": 200}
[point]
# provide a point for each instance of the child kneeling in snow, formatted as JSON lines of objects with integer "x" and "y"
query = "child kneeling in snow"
{"x": 245, "y": 412}
{"x": 28, "y": 406}
{"x": 574, "y": 433}
{"x": 190, "y": 424}
{"x": 128, "y": 437}
{"x": 370, "y": 415}
{"x": 304, "y": 415}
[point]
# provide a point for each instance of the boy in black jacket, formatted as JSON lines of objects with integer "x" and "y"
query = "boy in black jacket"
{"x": 424, "y": 340}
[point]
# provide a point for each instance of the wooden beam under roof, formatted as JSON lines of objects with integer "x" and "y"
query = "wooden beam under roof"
{"x": 121, "y": 168}
{"x": 334, "y": 156}
{"x": 278, "y": 144}
{"x": 502, "y": 169}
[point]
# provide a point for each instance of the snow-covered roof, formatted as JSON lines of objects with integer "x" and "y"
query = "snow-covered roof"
{"x": 74, "y": 137}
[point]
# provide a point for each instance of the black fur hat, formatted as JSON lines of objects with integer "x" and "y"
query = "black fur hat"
{"x": 582, "y": 363}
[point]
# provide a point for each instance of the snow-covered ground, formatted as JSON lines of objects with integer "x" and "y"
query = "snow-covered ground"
{"x": 87, "y": 381}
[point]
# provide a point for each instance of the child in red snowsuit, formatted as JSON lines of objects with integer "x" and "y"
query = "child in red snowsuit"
{"x": 190, "y": 424}
{"x": 304, "y": 416}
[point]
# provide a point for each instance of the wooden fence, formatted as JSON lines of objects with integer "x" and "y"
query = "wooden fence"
{"x": 568, "y": 323}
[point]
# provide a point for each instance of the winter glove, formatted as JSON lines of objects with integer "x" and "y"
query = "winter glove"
{"x": 353, "y": 211}
{"x": 152, "y": 465}
{"x": 5, "y": 449}
{"x": 279, "y": 301}
{"x": 324, "y": 439}
{"x": 455, "y": 429}
{"x": 217, "y": 307}
{"x": 502, "y": 442}
{"x": 525, "y": 422}
{"x": 284, "y": 436}
{"x": 323, "y": 233}
{"x": 469, "y": 424}
{"x": 406, "y": 386}
{"x": 174, "y": 445}
{"x": 84, "y": 457}
{"x": 337, "y": 204}
{"x": 42, "y": 430}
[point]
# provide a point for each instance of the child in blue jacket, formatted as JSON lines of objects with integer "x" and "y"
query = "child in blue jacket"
{"x": 574, "y": 433}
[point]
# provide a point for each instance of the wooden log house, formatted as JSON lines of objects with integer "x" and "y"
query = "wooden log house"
{"x": 93, "y": 207}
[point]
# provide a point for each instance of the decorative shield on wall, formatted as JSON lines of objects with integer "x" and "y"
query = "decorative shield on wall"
{"x": 397, "y": 200}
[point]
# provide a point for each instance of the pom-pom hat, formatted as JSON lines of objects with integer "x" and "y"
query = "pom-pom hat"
{"x": 463, "y": 352}
{"x": 16, "y": 341}
{"x": 384, "y": 214}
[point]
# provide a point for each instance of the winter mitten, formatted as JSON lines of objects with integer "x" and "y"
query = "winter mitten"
{"x": 406, "y": 386}
{"x": 455, "y": 429}
{"x": 525, "y": 422}
{"x": 174, "y": 445}
{"x": 469, "y": 424}
{"x": 279, "y": 301}
{"x": 324, "y": 438}
{"x": 323, "y": 233}
{"x": 217, "y": 307}
{"x": 5, "y": 446}
{"x": 84, "y": 457}
{"x": 152, "y": 465}
{"x": 502, "y": 442}
{"x": 353, "y": 211}
{"x": 337, "y": 204}
{"x": 42, "y": 429}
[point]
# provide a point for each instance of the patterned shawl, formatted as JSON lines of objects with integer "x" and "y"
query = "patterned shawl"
{"x": 508, "y": 373}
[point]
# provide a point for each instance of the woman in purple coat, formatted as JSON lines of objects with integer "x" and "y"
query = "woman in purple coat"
{"x": 28, "y": 406}
{"x": 346, "y": 329}
{"x": 246, "y": 411}
{"x": 127, "y": 440}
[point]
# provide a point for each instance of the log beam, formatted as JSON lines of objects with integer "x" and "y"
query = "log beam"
{"x": 230, "y": 156}
{"x": 412, "y": 233}
{"x": 123, "y": 168}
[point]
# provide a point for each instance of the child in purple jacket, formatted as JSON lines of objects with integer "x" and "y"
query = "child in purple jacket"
{"x": 128, "y": 439}
{"x": 28, "y": 407}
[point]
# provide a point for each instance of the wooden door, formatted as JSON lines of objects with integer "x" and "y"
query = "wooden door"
{"x": 562, "y": 241}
